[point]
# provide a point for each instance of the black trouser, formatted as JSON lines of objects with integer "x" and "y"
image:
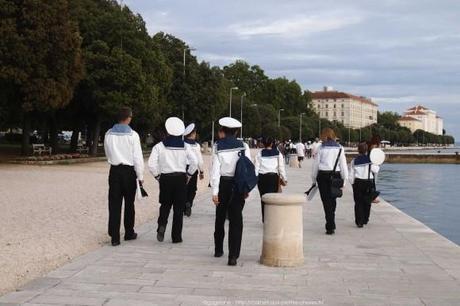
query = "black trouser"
{"x": 329, "y": 202}
{"x": 122, "y": 185}
{"x": 191, "y": 188}
{"x": 362, "y": 200}
{"x": 232, "y": 203}
{"x": 172, "y": 194}
{"x": 267, "y": 183}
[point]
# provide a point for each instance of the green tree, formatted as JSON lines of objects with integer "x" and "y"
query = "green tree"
{"x": 40, "y": 57}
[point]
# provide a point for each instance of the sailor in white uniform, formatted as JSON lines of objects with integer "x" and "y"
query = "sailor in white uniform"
{"x": 329, "y": 163}
{"x": 362, "y": 174}
{"x": 168, "y": 164}
{"x": 190, "y": 141}
{"x": 270, "y": 168}
{"x": 124, "y": 153}
{"x": 300, "y": 150}
{"x": 227, "y": 201}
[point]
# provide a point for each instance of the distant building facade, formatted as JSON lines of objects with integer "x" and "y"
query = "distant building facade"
{"x": 353, "y": 111}
{"x": 422, "y": 118}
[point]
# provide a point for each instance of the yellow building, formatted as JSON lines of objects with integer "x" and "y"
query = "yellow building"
{"x": 411, "y": 123}
{"x": 353, "y": 111}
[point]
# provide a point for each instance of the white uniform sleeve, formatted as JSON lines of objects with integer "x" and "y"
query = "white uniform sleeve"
{"x": 351, "y": 177}
{"x": 153, "y": 163}
{"x": 281, "y": 167}
{"x": 138, "y": 158}
{"x": 215, "y": 174}
{"x": 343, "y": 165}
{"x": 192, "y": 159}
{"x": 106, "y": 147}
{"x": 200, "y": 159}
{"x": 315, "y": 167}
{"x": 247, "y": 151}
{"x": 257, "y": 163}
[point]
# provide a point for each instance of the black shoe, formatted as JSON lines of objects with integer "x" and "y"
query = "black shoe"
{"x": 133, "y": 236}
{"x": 232, "y": 261}
{"x": 115, "y": 242}
{"x": 177, "y": 240}
{"x": 218, "y": 254}
{"x": 188, "y": 209}
{"x": 330, "y": 232}
{"x": 161, "y": 233}
{"x": 359, "y": 225}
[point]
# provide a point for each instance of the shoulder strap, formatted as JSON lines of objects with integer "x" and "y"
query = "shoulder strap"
{"x": 337, "y": 160}
{"x": 369, "y": 173}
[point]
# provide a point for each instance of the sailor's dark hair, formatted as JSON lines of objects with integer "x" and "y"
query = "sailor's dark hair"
{"x": 362, "y": 147}
{"x": 124, "y": 113}
{"x": 268, "y": 141}
{"x": 229, "y": 131}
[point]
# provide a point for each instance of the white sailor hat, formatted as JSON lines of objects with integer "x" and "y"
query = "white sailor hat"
{"x": 229, "y": 122}
{"x": 189, "y": 129}
{"x": 174, "y": 126}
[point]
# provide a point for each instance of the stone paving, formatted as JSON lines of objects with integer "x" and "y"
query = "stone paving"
{"x": 395, "y": 260}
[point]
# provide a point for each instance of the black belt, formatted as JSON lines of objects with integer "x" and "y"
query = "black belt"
{"x": 269, "y": 173}
{"x": 122, "y": 166}
{"x": 327, "y": 172}
{"x": 173, "y": 174}
{"x": 226, "y": 178}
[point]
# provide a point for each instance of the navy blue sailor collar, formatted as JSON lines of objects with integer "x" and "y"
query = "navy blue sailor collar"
{"x": 173, "y": 142}
{"x": 270, "y": 152}
{"x": 330, "y": 143}
{"x": 362, "y": 159}
{"x": 229, "y": 143}
{"x": 190, "y": 141}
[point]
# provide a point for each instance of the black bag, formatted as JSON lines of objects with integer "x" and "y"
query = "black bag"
{"x": 336, "y": 180}
{"x": 371, "y": 191}
{"x": 245, "y": 174}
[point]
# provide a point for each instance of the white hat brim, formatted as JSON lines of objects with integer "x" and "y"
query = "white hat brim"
{"x": 189, "y": 129}
{"x": 174, "y": 126}
{"x": 229, "y": 122}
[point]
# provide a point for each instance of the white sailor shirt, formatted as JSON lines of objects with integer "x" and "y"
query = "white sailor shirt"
{"x": 325, "y": 159}
{"x": 225, "y": 157}
{"x": 122, "y": 146}
{"x": 270, "y": 161}
{"x": 359, "y": 169}
{"x": 300, "y": 149}
{"x": 196, "y": 149}
{"x": 171, "y": 156}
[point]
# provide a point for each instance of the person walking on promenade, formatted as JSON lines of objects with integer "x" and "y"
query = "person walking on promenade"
{"x": 330, "y": 171}
{"x": 224, "y": 195}
{"x": 362, "y": 173}
{"x": 314, "y": 147}
{"x": 168, "y": 164}
{"x": 190, "y": 141}
{"x": 308, "y": 149}
{"x": 300, "y": 150}
{"x": 270, "y": 168}
{"x": 124, "y": 153}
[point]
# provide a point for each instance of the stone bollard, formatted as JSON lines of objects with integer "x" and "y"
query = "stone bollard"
{"x": 293, "y": 161}
{"x": 283, "y": 230}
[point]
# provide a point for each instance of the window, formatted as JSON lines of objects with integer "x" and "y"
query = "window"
{"x": 327, "y": 114}
{"x": 334, "y": 106}
{"x": 343, "y": 114}
{"x": 335, "y": 114}
{"x": 343, "y": 105}
{"x": 327, "y": 106}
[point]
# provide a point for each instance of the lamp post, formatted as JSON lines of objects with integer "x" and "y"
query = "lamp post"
{"x": 300, "y": 126}
{"x": 241, "y": 113}
{"x": 230, "y": 102}
{"x": 184, "y": 53}
{"x": 279, "y": 117}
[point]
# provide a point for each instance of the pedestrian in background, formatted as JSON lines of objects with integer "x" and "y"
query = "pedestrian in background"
{"x": 362, "y": 174}
{"x": 190, "y": 141}
{"x": 124, "y": 153}
{"x": 269, "y": 166}
{"x": 300, "y": 150}
{"x": 330, "y": 171}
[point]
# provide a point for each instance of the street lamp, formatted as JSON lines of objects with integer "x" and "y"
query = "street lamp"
{"x": 300, "y": 126}
{"x": 279, "y": 116}
{"x": 230, "y": 103}
{"x": 241, "y": 112}
{"x": 184, "y": 53}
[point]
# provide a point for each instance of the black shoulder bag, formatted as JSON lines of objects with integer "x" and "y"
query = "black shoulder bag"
{"x": 371, "y": 191}
{"x": 336, "y": 180}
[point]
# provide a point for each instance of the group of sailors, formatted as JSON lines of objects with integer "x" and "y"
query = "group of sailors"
{"x": 176, "y": 163}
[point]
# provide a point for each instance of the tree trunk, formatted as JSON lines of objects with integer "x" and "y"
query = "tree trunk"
{"x": 95, "y": 137}
{"x": 53, "y": 134}
{"x": 74, "y": 139}
{"x": 25, "y": 134}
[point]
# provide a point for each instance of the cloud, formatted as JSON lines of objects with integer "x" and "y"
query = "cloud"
{"x": 295, "y": 26}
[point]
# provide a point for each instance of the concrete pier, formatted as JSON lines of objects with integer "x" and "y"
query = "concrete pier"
{"x": 395, "y": 260}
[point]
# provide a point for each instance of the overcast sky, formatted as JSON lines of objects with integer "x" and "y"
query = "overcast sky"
{"x": 398, "y": 52}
